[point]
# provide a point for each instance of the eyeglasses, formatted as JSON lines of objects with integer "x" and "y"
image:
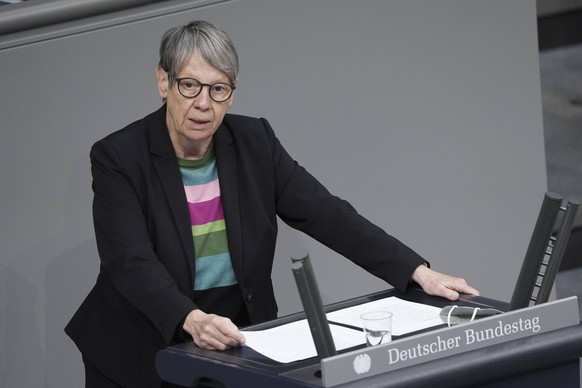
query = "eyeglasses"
{"x": 191, "y": 87}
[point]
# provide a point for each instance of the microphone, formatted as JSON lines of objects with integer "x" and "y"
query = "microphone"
{"x": 454, "y": 315}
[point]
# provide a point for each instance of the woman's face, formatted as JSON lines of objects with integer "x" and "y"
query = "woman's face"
{"x": 193, "y": 121}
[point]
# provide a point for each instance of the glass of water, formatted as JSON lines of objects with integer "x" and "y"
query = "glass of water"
{"x": 377, "y": 327}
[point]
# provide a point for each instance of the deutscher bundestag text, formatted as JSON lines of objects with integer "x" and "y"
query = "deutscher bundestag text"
{"x": 471, "y": 336}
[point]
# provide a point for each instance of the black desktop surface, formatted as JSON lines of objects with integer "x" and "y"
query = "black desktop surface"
{"x": 300, "y": 372}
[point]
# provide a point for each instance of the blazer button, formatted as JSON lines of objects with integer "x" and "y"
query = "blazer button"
{"x": 249, "y": 297}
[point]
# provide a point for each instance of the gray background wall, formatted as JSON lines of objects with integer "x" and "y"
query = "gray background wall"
{"x": 426, "y": 115}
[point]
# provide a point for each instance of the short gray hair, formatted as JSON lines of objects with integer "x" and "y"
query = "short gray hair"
{"x": 214, "y": 45}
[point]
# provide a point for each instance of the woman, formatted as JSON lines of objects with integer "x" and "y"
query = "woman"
{"x": 185, "y": 209}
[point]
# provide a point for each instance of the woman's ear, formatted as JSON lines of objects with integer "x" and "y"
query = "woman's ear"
{"x": 163, "y": 82}
{"x": 232, "y": 97}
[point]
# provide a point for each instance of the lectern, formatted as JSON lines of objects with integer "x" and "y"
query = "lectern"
{"x": 547, "y": 359}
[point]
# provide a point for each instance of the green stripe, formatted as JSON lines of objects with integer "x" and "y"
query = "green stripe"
{"x": 211, "y": 244}
{"x": 214, "y": 226}
{"x": 189, "y": 163}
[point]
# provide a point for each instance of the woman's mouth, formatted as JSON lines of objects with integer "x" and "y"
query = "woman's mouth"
{"x": 198, "y": 122}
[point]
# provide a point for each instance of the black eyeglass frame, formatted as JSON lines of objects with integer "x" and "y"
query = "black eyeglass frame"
{"x": 210, "y": 86}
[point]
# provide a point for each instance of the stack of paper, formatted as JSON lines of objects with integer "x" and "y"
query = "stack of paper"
{"x": 293, "y": 341}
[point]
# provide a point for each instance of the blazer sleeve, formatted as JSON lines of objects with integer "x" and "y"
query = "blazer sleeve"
{"x": 125, "y": 245}
{"x": 305, "y": 204}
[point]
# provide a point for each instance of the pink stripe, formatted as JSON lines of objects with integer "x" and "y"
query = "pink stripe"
{"x": 204, "y": 212}
{"x": 201, "y": 193}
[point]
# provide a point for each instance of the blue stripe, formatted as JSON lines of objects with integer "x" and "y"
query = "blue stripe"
{"x": 214, "y": 271}
{"x": 199, "y": 176}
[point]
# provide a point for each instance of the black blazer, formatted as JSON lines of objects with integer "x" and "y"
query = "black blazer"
{"x": 144, "y": 237}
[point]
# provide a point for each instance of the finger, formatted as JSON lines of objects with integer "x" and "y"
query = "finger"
{"x": 232, "y": 336}
{"x": 222, "y": 341}
{"x": 461, "y": 286}
{"x": 470, "y": 290}
{"x": 449, "y": 293}
{"x": 216, "y": 344}
{"x": 227, "y": 328}
{"x": 223, "y": 331}
{"x": 214, "y": 341}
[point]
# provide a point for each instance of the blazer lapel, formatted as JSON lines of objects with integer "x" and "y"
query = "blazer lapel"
{"x": 226, "y": 159}
{"x": 166, "y": 165}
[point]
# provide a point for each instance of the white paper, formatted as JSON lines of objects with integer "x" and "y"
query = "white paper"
{"x": 407, "y": 317}
{"x": 293, "y": 341}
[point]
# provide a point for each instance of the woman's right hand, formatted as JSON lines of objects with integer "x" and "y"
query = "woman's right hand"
{"x": 212, "y": 332}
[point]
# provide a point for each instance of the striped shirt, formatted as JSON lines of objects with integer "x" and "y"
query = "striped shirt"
{"x": 213, "y": 265}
